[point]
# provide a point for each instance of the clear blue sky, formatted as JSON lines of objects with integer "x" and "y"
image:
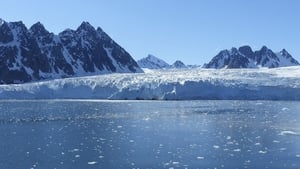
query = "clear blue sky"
{"x": 189, "y": 30}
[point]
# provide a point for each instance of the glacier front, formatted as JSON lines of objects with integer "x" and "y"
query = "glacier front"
{"x": 172, "y": 84}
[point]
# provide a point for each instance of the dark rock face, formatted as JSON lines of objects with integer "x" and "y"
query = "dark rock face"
{"x": 244, "y": 57}
{"x": 36, "y": 54}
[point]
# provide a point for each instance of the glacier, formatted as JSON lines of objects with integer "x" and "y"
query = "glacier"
{"x": 170, "y": 84}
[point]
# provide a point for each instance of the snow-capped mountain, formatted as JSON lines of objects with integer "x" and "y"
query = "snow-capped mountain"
{"x": 152, "y": 62}
{"x": 178, "y": 65}
{"x": 35, "y": 54}
{"x": 245, "y": 57}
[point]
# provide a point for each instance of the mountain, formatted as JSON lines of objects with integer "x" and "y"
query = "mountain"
{"x": 36, "y": 54}
{"x": 178, "y": 65}
{"x": 152, "y": 62}
{"x": 245, "y": 57}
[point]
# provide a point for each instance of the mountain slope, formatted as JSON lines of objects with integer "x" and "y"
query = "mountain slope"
{"x": 178, "y": 65}
{"x": 244, "y": 57}
{"x": 35, "y": 54}
{"x": 152, "y": 62}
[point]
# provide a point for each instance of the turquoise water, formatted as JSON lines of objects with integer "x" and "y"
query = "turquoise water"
{"x": 80, "y": 134}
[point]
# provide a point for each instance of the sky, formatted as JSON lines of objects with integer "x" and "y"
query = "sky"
{"x": 192, "y": 31}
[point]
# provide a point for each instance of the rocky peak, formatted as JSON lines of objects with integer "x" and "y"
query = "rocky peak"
{"x": 246, "y": 58}
{"x": 85, "y": 27}
{"x": 38, "y": 29}
{"x": 1, "y": 21}
{"x": 266, "y": 57}
{"x": 152, "y": 62}
{"x": 246, "y": 51}
{"x": 178, "y": 64}
{"x": 19, "y": 27}
{"x": 285, "y": 53}
{"x": 234, "y": 51}
{"x": 37, "y": 54}
{"x": 6, "y": 35}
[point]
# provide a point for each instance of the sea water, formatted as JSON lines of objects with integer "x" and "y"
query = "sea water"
{"x": 82, "y": 134}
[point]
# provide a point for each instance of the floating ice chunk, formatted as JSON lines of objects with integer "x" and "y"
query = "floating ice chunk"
{"x": 146, "y": 118}
{"x": 101, "y": 156}
{"x": 230, "y": 142}
{"x": 228, "y": 137}
{"x": 285, "y": 109}
{"x": 237, "y": 150}
{"x": 175, "y": 162}
{"x": 262, "y": 152}
{"x": 166, "y": 164}
{"x": 298, "y": 155}
{"x": 257, "y": 144}
{"x": 200, "y": 158}
{"x": 77, "y": 156}
{"x": 102, "y": 139}
{"x": 74, "y": 150}
{"x": 92, "y": 162}
{"x": 216, "y": 146}
{"x": 287, "y": 132}
{"x": 276, "y": 141}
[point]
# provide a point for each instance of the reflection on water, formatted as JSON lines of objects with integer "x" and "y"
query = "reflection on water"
{"x": 149, "y": 134}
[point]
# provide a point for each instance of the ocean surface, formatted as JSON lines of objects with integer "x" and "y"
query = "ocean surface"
{"x": 83, "y": 134}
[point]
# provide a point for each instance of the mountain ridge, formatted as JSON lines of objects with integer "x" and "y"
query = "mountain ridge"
{"x": 245, "y": 57}
{"x": 35, "y": 54}
{"x": 153, "y": 62}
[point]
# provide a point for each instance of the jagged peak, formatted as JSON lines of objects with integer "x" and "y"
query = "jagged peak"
{"x": 264, "y": 48}
{"x": 285, "y": 53}
{"x": 67, "y": 32}
{"x": 151, "y": 56}
{"x": 245, "y": 48}
{"x": 99, "y": 30}
{"x": 178, "y": 62}
{"x": 234, "y": 50}
{"x": 38, "y": 28}
{"x": 2, "y": 21}
{"x": 18, "y": 26}
{"x": 17, "y": 23}
{"x": 38, "y": 24}
{"x": 263, "y": 57}
{"x": 85, "y": 26}
{"x": 223, "y": 53}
